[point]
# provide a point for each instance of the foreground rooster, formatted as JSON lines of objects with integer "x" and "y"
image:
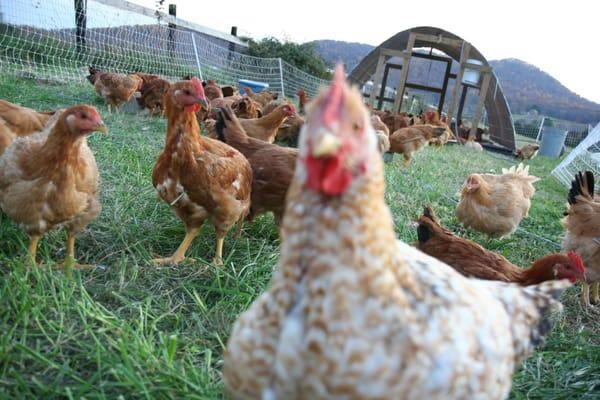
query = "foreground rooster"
{"x": 50, "y": 179}
{"x": 200, "y": 178}
{"x": 351, "y": 313}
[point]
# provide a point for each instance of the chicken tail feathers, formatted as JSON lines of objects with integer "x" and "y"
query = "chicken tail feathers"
{"x": 529, "y": 310}
{"x": 220, "y": 125}
{"x": 582, "y": 185}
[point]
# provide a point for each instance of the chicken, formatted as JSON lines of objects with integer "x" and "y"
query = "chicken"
{"x": 288, "y": 132}
{"x": 394, "y": 121}
{"x": 378, "y": 125}
{"x": 582, "y": 226}
{"x": 383, "y": 142}
{"x": 408, "y": 140}
{"x": 433, "y": 118}
{"x": 116, "y": 88}
{"x": 229, "y": 90}
{"x": 200, "y": 178}
{"x": 272, "y": 165}
{"x": 471, "y": 144}
{"x": 472, "y": 260}
{"x": 270, "y": 107}
{"x": 350, "y": 313}
{"x": 263, "y": 98}
{"x": 245, "y": 108}
{"x": 152, "y": 94}
{"x": 496, "y": 204}
{"x": 212, "y": 90}
{"x": 302, "y": 100}
{"x": 94, "y": 73}
{"x": 50, "y": 179}
{"x": 146, "y": 78}
{"x": 265, "y": 128}
{"x": 528, "y": 151}
{"x": 23, "y": 120}
{"x": 6, "y": 136}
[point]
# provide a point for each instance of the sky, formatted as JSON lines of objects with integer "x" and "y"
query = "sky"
{"x": 559, "y": 37}
{"x": 556, "y": 36}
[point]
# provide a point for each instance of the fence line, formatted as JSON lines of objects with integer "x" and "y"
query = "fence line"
{"x": 38, "y": 38}
{"x": 532, "y": 126}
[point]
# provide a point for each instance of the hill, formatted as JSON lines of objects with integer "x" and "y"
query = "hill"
{"x": 525, "y": 86}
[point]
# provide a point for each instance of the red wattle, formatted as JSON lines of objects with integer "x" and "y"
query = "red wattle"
{"x": 327, "y": 175}
{"x": 192, "y": 108}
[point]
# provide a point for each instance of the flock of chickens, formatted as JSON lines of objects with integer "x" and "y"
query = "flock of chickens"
{"x": 345, "y": 315}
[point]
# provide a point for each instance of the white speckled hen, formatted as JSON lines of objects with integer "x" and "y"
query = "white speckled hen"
{"x": 351, "y": 313}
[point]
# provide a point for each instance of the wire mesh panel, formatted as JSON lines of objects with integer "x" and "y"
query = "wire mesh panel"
{"x": 586, "y": 156}
{"x": 39, "y": 39}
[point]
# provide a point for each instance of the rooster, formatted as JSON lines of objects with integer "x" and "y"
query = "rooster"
{"x": 472, "y": 260}
{"x": 496, "y": 204}
{"x": 582, "y": 224}
{"x": 200, "y": 178}
{"x": 50, "y": 179}
{"x": 350, "y": 312}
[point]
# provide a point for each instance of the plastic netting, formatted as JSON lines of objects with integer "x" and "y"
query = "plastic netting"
{"x": 38, "y": 38}
{"x": 586, "y": 156}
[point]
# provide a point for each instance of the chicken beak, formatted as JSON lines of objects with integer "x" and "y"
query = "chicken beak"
{"x": 326, "y": 146}
{"x": 100, "y": 127}
{"x": 202, "y": 101}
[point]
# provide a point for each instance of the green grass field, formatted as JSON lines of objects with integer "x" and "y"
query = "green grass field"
{"x": 130, "y": 330}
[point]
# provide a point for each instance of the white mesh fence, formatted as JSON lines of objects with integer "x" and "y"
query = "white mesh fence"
{"x": 38, "y": 38}
{"x": 586, "y": 156}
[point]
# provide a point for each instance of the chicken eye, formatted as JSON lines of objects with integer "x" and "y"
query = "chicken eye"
{"x": 83, "y": 115}
{"x": 357, "y": 127}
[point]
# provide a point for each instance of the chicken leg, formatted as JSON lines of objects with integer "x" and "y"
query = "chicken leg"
{"x": 219, "y": 250}
{"x": 585, "y": 295}
{"x": 33, "y": 243}
{"x": 69, "y": 262}
{"x": 595, "y": 294}
{"x": 179, "y": 254}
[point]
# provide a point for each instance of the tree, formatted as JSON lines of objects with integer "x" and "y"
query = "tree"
{"x": 302, "y": 56}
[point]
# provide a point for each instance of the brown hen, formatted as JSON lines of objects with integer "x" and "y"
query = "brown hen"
{"x": 200, "y": 178}
{"x": 472, "y": 260}
{"x": 50, "y": 179}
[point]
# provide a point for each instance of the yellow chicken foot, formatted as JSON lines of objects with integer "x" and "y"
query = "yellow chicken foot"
{"x": 585, "y": 295}
{"x": 595, "y": 294}
{"x": 219, "y": 251}
{"x": 69, "y": 263}
{"x": 179, "y": 254}
{"x": 33, "y": 243}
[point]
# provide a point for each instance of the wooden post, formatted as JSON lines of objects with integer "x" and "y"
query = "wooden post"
{"x": 464, "y": 55}
{"x": 383, "y": 84}
{"x": 461, "y": 104}
{"x": 482, "y": 93}
{"x": 172, "y": 26}
{"x": 377, "y": 78}
{"x": 81, "y": 24}
{"x": 407, "y": 54}
{"x": 234, "y": 31}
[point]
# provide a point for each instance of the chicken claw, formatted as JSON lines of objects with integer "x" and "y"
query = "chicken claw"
{"x": 179, "y": 254}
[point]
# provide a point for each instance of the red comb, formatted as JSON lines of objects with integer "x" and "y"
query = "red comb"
{"x": 577, "y": 261}
{"x": 198, "y": 87}
{"x": 334, "y": 99}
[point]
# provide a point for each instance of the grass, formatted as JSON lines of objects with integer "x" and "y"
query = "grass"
{"x": 133, "y": 330}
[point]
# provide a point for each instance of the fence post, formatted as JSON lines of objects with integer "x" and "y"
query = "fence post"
{"x": 196, "y": 54}
{"x": 537, "y": 139}
{"x": 281, "y": 77}
{"x": 172, "y": 26}
{"x": 81, "y": 24}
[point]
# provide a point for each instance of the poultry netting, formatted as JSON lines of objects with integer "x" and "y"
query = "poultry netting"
{"x": 38, "y": 39}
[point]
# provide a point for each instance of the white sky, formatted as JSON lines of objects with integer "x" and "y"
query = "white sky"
{"x": 541, "y": 33}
